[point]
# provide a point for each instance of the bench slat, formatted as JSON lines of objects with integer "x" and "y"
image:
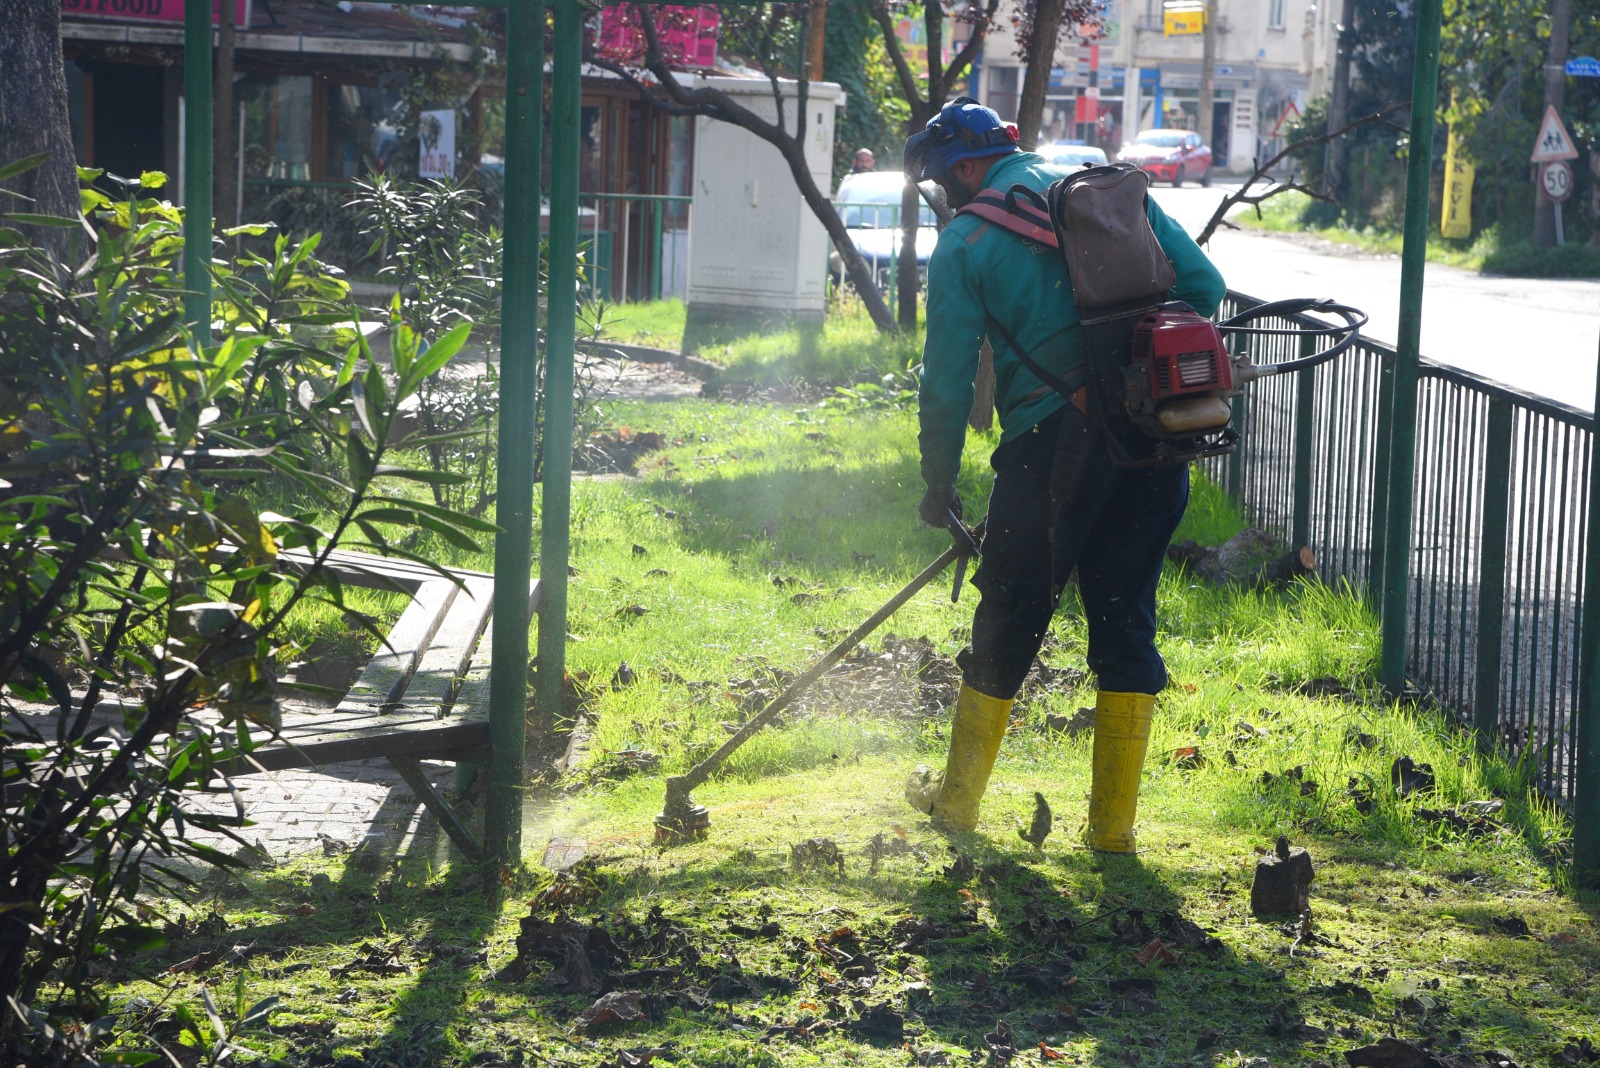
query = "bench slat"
{"x": 438, "y": 674}
{"x": 389, "y": 671}
{"x": 436, "y": 646}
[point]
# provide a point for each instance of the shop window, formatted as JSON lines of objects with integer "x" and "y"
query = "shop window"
{"x": 277, "y": 123}
{"x": 78, "y": 110}
{"x": 1003, "y": 83}
{"x": 590, "y": 176}
{"x": 363, "y": 136}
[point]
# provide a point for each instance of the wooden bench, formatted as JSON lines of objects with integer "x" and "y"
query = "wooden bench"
{"x": 424, "y": 695}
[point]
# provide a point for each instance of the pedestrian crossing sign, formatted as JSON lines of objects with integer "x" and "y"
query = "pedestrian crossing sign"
{"x": 1554, "y": 143}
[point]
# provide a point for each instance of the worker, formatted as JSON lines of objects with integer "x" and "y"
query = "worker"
{"x": 864, "y": 161}
{"x": 1057, "y": 502}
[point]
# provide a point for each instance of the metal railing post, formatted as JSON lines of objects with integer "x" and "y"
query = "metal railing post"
{"x": 1233, "y": 471}
{"x": 1492, "y": 572}
{"x": 197, "y": 169}
{"x": 519, "y": 358}
{"x": 657, "y": 209}
{"x": 1586, "y": 787}
{"x": 1382, "y": 456}
{"x": 1413, "y": 262}
{"x": 1304, "y": 413}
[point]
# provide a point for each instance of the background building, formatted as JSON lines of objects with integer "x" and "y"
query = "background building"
{"x": 1271, "y": 57}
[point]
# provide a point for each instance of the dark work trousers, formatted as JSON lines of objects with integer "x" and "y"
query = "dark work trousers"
{"x": 1113, "y": 525}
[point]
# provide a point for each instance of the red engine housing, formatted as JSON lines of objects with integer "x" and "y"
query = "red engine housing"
{"x": 1181, "y": 353}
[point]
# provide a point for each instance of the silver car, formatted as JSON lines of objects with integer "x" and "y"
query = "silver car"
{"x": 869, "y": 205}
{"x": 1073, "y": 155}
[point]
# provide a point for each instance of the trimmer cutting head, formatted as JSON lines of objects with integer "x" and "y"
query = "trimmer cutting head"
{"x": 681, "y": 819}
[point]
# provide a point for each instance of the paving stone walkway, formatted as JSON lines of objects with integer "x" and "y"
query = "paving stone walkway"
{"x": 347, "y": 805}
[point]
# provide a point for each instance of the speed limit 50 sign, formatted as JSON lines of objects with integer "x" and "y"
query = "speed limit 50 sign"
{"x": 1555, "y": 180}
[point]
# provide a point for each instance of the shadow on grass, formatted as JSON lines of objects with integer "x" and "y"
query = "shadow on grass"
{"x": 381, "y": 917}
{"x": 1112, "y": 960}
{"x": 835, "y": 523}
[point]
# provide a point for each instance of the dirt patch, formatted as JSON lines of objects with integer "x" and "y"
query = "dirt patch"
{"x": 906, "y": 678}
{"x": 617, "y": 451}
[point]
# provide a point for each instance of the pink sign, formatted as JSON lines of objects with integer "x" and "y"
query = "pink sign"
{"x": 150, "y": 10}
{"x": 688, "y": 35}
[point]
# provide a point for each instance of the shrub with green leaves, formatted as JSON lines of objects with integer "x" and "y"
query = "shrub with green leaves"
{"x": 144, "y": 569}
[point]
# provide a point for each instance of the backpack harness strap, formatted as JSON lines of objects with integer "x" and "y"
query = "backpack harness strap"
{"x": 1024, "y": 212}
{"x": 1029, "y": 217}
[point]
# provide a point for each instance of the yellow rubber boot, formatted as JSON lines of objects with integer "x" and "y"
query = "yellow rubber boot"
{"x": 976, "y": 728}
{"x": 1121, "y": 732}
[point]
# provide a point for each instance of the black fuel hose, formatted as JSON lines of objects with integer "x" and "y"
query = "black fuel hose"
{"x": 1354, "y": 320}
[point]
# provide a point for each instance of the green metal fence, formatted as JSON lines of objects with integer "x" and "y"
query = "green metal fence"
{"x": 1500, "y": 532}
{"x": 635, "y": 245}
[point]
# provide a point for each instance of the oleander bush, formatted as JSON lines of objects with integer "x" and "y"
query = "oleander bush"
{"x": 168, "y": 497}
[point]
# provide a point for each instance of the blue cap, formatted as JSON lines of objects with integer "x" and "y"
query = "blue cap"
{"x": 963, "y": 129}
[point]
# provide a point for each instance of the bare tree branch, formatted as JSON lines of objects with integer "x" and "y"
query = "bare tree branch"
{"x": 1244, "y": 196}
{"x": 902, "y": 69}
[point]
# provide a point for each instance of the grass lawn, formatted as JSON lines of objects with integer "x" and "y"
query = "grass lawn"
{"x": 1284, "y": 213}
{"x": 1491, "y": 251}
{"x": 846, "y": 349}
{"x": 746, "y": 547}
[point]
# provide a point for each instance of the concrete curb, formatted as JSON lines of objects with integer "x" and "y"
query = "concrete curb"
{"x": 690, "y": 364}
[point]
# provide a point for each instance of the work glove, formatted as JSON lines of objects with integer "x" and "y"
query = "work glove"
{"x": 936, "y": 506}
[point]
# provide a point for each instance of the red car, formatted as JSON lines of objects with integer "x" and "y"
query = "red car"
{"x": 1170, "y": 156}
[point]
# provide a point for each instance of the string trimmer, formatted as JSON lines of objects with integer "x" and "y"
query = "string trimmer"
{"x": 680, "y": 817}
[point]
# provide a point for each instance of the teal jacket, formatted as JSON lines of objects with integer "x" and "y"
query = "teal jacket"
{"x": 980, "y": 272}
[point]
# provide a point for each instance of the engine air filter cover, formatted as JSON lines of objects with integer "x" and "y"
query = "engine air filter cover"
{"x": 1183, "y": 354}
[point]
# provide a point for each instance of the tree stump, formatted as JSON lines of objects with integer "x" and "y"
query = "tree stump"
{"x": 1251, "y": 558}
{"x": 1283, "y": 882}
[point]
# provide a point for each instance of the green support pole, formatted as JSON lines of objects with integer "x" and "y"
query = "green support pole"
{"x": 513, "y": 545}
{"x": 1413, "y": 260}
{"x": 1586, "y": 788}
{"x": 563, "y": 294}
{"x": 197, "y": 168}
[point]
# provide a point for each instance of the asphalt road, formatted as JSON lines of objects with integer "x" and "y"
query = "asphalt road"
{"x": 1537, "y": 335}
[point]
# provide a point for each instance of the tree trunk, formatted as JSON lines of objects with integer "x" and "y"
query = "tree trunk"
{"x": 1036, "y": 80}
{"x": 1555, "y": 88}
{"x": 908, "y": 279}
{"x": 982, "y": 415}
{"x": 33, "y": 116}
{"x": 910, "y": 284}
{"x": 1339, "y": 108}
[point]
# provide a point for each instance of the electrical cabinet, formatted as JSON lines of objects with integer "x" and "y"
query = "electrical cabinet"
{"x": 756, "y": 249}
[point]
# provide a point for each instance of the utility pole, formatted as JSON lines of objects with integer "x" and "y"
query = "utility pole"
{"x": 1208, "y": 69}
{"x": 1555, "y": 89}
{"x": 818, "y": 19}
{"x": 1339, "y": 105}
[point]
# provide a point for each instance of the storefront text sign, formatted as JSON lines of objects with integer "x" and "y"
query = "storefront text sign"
{"x": 150, "y": 10}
